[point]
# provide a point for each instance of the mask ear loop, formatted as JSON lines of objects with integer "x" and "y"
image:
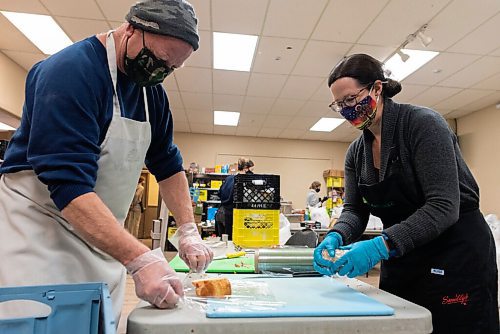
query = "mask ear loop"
{"x": 372, "y": 115}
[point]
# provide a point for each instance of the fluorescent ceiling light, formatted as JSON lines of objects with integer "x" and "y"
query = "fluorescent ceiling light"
{"x": 230, "y": 118}
{"x": 5, "y": 127}
{"x": 326, "y": 124}
{"x": 401, "y": 69}
{"x": 41, "y": 30}
{"x": 234, "y": 51}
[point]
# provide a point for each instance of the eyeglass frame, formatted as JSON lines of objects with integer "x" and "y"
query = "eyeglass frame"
{"x": 335, "y": 107}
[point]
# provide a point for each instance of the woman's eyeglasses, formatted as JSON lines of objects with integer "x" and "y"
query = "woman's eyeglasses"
{"x": 349, "y": 101}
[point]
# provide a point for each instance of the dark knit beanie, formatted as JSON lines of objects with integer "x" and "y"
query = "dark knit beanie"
{"x": 174, "y": 18}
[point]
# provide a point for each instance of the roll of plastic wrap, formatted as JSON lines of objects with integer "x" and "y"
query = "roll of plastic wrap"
{"x": 284, "y": 260}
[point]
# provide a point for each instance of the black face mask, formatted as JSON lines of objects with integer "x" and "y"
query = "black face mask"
{"x": 249, "y": 172}
{"x": 317, "y": 190}
{"x": 146, "y": 69}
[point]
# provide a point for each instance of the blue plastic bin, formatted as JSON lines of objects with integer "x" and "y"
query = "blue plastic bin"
{"x": 75, "y": 308}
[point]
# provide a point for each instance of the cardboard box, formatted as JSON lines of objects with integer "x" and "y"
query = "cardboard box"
{"x": 333, "y": 173}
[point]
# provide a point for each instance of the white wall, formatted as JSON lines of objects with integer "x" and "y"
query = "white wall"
{"x": 298, "y": 162}
{"x": 479, "y": 137}
{"x": 12, "y": 79}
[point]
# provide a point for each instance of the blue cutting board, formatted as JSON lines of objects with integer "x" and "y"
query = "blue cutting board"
{"x": 304, "y": 297}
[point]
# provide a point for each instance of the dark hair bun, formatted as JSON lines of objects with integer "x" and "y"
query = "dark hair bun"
{"x": 392, "y": 87}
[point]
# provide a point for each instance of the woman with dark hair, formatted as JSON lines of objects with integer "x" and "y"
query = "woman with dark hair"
{"x": 406, "y": 168}
{"x": 224, "y": 216}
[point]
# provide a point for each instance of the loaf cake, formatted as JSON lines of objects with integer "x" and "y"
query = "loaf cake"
{"x": 212, "y": 287}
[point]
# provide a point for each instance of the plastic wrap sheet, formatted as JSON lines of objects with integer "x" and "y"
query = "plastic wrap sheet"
{"x": 252, "y": 295}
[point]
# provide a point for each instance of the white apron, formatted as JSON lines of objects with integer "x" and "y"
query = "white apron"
{"x": 38, "y": 246}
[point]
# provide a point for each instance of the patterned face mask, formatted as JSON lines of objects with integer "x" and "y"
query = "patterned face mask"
{"x": 146, "y": 69}
{"x": 362, "y": 114}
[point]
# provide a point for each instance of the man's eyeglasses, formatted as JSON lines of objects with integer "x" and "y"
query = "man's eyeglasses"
{"x": 349, "y": 101}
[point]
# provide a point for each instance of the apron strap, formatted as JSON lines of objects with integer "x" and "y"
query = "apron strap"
{"x": 146, "y": 107}
{"x": 111, "y": 52}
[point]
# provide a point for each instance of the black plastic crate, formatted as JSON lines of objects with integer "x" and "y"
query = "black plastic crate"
{"x": 256, "y": 191}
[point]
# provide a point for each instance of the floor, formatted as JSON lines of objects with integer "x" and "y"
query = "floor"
{"x": 131, "y": 299}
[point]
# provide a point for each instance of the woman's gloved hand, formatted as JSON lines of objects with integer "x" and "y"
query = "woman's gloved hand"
{"x": 191, "y": 248}
{"x": 155, "y": 281}
{"x": 331, "y": 242}
{"x": 361, "y": 257}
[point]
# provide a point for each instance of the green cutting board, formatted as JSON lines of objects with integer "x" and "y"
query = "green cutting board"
{"x": 220, "y": 266}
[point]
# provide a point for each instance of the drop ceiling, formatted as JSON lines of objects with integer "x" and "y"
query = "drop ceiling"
{"x": 285, "y": 92}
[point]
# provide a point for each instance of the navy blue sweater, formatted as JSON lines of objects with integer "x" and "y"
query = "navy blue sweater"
{"x": 68, "y": 108}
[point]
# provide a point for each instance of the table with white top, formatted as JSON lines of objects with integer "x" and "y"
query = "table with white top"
{"x": 407, "y": 318}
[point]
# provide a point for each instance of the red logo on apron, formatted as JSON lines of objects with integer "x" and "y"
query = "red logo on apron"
{"x": 458, "y": 299}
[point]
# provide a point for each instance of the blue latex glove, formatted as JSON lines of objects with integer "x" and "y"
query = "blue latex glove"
{"x": 331, "y": 242}
{"x": 361, "y": 257}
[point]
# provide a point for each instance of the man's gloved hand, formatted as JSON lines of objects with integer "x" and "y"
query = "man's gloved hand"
{"x": 191, "y": 248}
{"x": 155, "y": 281}
{"x": 361, "y": 257}
{"x": 331, "y": 242}
{"x": 324, "y": 199}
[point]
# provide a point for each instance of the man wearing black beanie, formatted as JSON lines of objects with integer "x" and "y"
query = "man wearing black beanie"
{"x": 94, "y": 114}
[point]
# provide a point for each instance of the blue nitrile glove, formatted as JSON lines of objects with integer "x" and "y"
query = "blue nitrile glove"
{"x": 331, "y": 242}
{"x": 361, "y": 257}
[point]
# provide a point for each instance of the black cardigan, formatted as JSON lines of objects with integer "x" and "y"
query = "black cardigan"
{"x": 433, "y": 166}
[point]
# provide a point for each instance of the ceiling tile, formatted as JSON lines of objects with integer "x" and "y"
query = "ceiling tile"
{"x": 201, "y": 101}
{"x": 115, "y": 10}
{"x": 249, "y": 131}
{"x": 251, "y": 120}
{"x": 257, "y": 105}
{"x": 25, "y": 59}
{"x": 434, "y": 95}
{"x": 495, "y": 53}
{"x": 266, "y": 85}
{"x": 291, "y": 134}
{"x": 175, "y": 101}
{"x": 202, "y": 10}
{"x": 465, "y": 97}
{"x": 192, "y": 79}
{"x": 475, "y": 72}
{"x": 300, "y": 87}
{"x": 277, "y": 55}
{"x": 445, "y": 64}
{"x": 302, "y": 122}
{"x": 178, "y": 115}
{"x": 86, "y": 9}
{"x": 203, "y": 56}
{"x": 287, "y": 107}
{"x": 170, "y": 83}
{"x": 78, "y": 29}
{"x": 391, "y": 17}
{"x": 378, "y": 52}
{"x": 283, "y": 17}
{"x": 484, "y": 102}
{"x": 200, "y": 116}
{"x": 313, "y": 135}
{"x": 278, "y": 122}
{"x": 323, "y": 94}
{"x": 230, "y": 82}
{"x": 225, "y": 130}
{"x": 24, "y": 6}
{"x": 409, "y": 91}
{"x": 202, "y": 127}
{"x": 319, "y": 58}
{"x": 475, "y": 41}
{"x": 181, "y": 127}
{"x": 492, "y": 82}
{"x": 270, "y": 132}
{"x": 228, "y": 102}
{"x": 315, "y": 108}
{"x": 336, "y": 23}
{"x": 227, "y": 16}
{"x": 448, "y": 26}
